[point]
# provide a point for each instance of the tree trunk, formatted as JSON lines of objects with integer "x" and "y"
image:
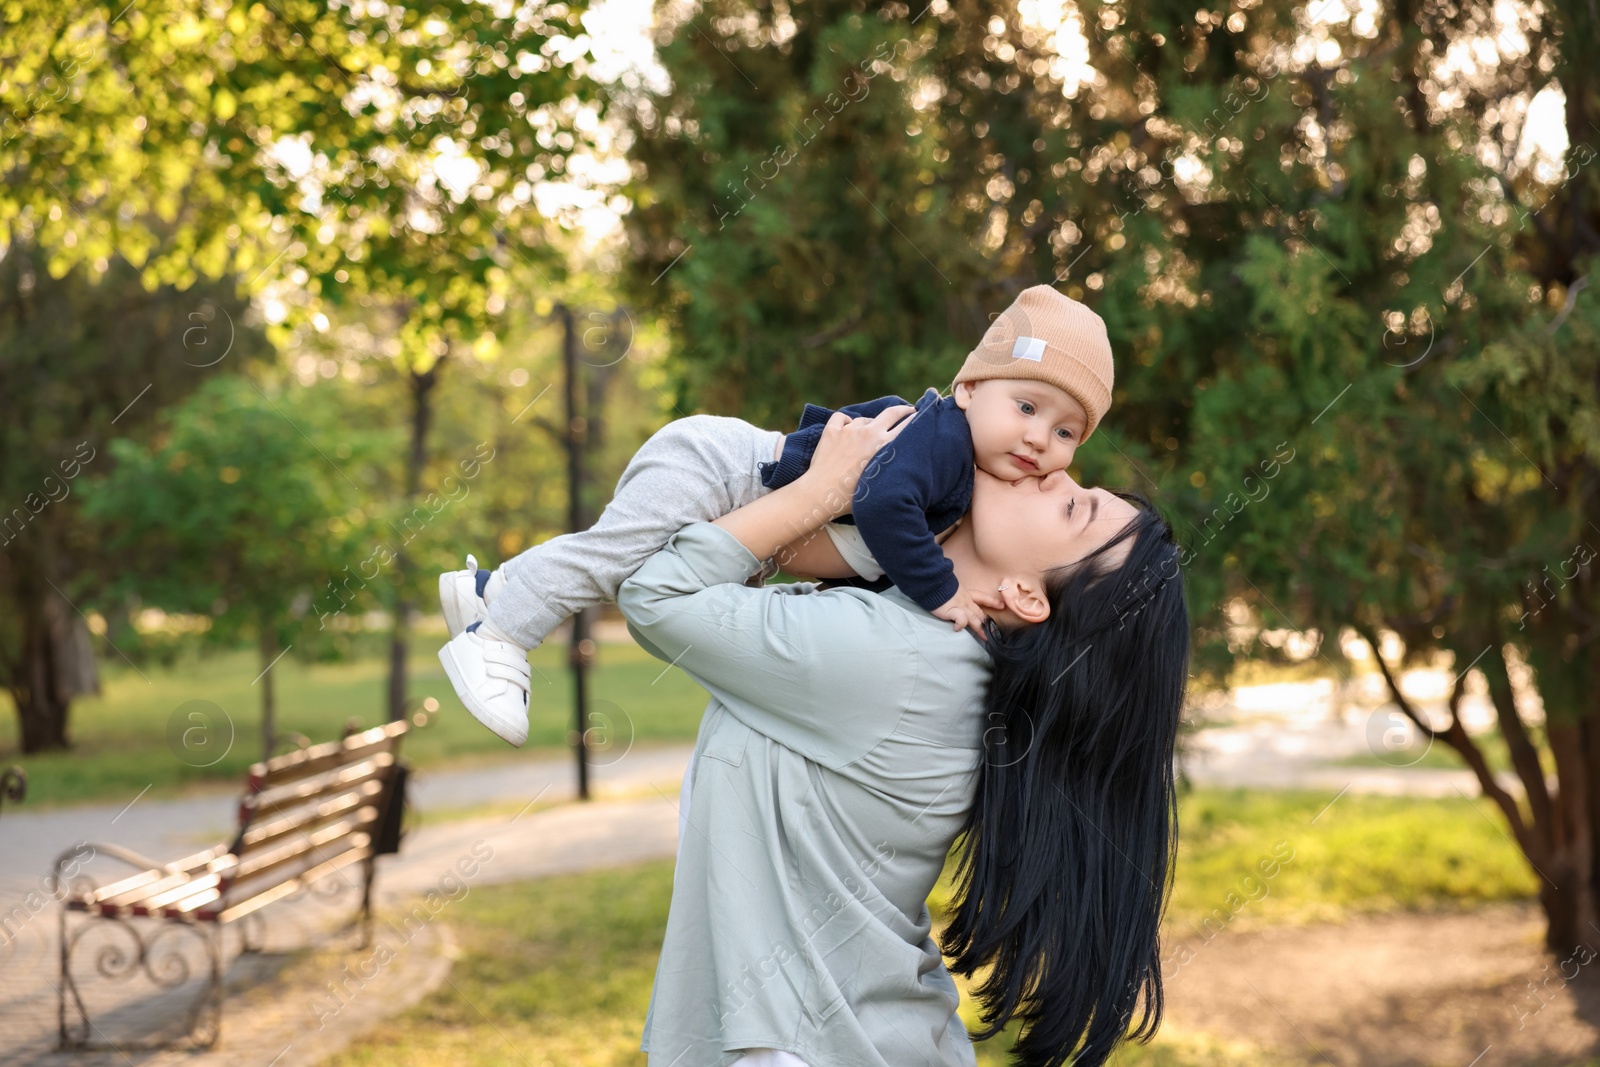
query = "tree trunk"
{"x": 41, "y": 710}
{"x": 399, "y": 646}
{"x": 422, "y": 386}
{"x": 1570, "y": 903}
{"x": 1589, "y": 750}
{"x": 57, "y": 664}
{"x": 1557, "y": 837}
{"x": 269, "y": 711}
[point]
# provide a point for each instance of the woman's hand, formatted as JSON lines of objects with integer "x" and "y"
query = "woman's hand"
{"x": 843, "y": 451}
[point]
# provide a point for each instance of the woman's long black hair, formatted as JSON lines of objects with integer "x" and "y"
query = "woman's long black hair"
{"x": 1067, "y": 851}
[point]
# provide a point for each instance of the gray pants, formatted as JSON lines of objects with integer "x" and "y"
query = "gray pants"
{"x": 693, "y": 469}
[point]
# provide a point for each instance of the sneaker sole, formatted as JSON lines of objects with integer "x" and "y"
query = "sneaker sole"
{"x": 513, "y": 733}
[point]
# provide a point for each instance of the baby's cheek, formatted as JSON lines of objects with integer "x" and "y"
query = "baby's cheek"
{"x": 996, "y": 463}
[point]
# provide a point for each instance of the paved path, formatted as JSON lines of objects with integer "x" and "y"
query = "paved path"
{"x": 165, "y": 829}
{"x": 292, "y": 1008}
{"x": 1265, "y": 755}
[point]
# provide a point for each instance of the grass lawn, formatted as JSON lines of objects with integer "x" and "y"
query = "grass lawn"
{"x": 132, "y": 735}
{"x": 558, "y": 972}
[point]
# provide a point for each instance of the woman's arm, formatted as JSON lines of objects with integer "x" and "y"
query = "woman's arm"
{"x": 756, "y": 650}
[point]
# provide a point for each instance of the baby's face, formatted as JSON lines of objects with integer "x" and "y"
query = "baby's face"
{"x": 1021, "y": 428}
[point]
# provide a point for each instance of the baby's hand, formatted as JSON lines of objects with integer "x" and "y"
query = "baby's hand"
{"x": 966, "y": 609}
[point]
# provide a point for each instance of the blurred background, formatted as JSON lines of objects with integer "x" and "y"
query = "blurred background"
{"x": 301, "y": 301}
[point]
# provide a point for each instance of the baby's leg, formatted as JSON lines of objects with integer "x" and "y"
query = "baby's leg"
{"x": 693, "y": 469}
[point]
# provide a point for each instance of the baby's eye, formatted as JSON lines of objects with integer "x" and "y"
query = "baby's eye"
{"x": 1027, "y": 408}
{"x": 1066, "y": 434}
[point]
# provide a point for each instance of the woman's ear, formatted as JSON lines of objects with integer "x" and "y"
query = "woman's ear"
{"x": 1025, "y": 598}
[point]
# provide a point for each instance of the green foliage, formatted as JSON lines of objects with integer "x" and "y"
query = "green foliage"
{"x": 295, "y": 141}
{"x": 82, "y": 360}
{"x": 238, "y": 512}
{"x": 323, "y": 156}
{"x": 796, "y": 224}
{"x": 1294, "y": 259}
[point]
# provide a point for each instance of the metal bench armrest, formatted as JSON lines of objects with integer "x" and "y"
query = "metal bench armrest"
{"x": 81, "y": 853}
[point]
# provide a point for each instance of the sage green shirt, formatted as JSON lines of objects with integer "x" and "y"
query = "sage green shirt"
{"x": 834, "y": 765}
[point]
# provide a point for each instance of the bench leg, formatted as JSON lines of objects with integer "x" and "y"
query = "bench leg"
{"x": 66, "y": 1041}
{"x": 368, "y": 869}
{"x": 252, "y": 923}
{"x": 204, "y": 1022}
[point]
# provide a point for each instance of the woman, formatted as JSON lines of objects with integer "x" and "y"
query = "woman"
{"x": 852, "y": 736}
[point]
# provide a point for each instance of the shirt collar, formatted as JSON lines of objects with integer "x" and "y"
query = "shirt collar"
{"x": 894, "y": 593}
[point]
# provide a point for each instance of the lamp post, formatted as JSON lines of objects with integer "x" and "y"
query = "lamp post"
{"x": 580, "y": 655}
{"x": 580, "y": 432}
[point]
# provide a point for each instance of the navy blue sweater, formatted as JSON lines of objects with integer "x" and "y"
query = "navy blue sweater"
{"x": 915, "y": 487}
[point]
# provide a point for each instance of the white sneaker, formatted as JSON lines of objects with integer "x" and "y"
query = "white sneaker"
{"x": 458, "y": 596}
{"x": 491, "y": 677}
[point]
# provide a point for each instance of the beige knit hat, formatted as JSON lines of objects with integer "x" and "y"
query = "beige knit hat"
{"x": 1052, "y": 338}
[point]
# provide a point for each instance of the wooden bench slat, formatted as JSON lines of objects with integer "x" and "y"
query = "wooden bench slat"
{"x": 310, "y": 768}
{"x": 284, "y": 798}
{"x": 257, "y": 864}
{"x": 194, "y": 885}
{"x": 134, "y": 881}
{"x": 160, "y": 895}
{"x": 283, "y": 889}
{"x": 264, "y": 834}
{"x": 144, "y": 892}
{"x": 292, "y": 869}
{"x": 189, "y": 907}
{"x": 320, "y": 757}
{"x": 131, "y": 884}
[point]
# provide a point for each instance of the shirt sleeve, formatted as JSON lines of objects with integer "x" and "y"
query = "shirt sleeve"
{"x": 790, "y": 662}
{"x": 891, "y": 505}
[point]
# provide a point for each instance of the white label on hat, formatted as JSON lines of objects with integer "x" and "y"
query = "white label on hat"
{"x": 1028, "y": 348}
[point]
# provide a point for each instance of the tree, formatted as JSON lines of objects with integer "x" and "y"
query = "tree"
{"x": 791, "y": 263}
{"x": 79, "y": 362}
{"x": 328, "y": 156}
{"x": 239, "y": 513}
{"x": 1357, "y": 360}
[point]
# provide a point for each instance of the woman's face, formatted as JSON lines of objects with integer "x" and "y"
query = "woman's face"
{"x": 1034, "y": 525}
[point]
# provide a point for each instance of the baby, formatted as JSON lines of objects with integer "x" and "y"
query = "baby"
{"x": 1027, "y": 396}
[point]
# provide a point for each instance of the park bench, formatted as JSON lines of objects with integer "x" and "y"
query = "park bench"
{"x": 304, "y": 816}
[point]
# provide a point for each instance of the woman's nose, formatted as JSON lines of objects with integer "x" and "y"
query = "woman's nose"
{"x": 1054, "y": 480}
